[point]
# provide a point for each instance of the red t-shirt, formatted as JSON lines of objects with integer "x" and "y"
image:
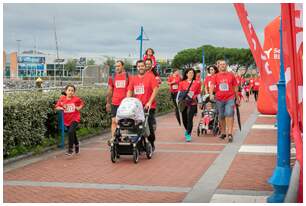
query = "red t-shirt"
{"x": 71, "y": 114}
{"x": 256, "y": 84}
{"x": 152, "y": 58}
{"x": 143, "y": 86}
{"x": 120, "y": 87}
{"x": 242, "y": 81}
{"x": 224, "y": 83}
{"x": 247, "y": 88}
{"x": 252, "y": 81}
{"x": 198, "y": 77}
{"x": 239, "y": 80}
{"x": 175, "y": 85}
{"x": 207, "y": 81}
{"x": 194, "y": 90}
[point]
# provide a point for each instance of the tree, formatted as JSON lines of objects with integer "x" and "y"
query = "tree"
{"x": 70, "y": 66}
{"x": 110, "y": 63}
{"x": 128, "y": 65}
{"x": 190, "y": 57}
{"x": 90, "y": 62}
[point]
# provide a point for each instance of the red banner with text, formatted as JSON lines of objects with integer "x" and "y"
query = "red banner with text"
{"x": 268, "y": 88}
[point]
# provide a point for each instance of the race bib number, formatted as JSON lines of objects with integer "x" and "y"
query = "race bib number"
{"x": 175, "y": 86}
{"x": 120, "y": 84}
{"x": 223, "y": 87}
{"x": 139, "y": 89}
{"x": 190, "y": 94}
{"x": 257, "y": 83}
{"x": 70, "y": 108}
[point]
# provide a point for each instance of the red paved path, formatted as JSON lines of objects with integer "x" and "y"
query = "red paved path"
{"x": 174, "y": 164}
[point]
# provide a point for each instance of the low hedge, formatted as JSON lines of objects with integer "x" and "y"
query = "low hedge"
{"x": 30, "y": 121}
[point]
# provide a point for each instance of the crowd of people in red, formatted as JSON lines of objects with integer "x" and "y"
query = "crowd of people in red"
{"x": 223, "y": 87}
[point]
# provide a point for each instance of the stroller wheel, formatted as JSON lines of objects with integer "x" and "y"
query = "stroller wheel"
{"x": 113, "y": 154}
{"x": 135, "y": 155}
{"x": 149, "y": 150}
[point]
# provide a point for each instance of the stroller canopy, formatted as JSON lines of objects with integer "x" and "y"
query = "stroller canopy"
{"x": 130, "y": 108}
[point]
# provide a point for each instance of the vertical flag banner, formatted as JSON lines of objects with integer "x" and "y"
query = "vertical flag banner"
{"x": 268, "y": 87}
{"x": 292, "y": 26}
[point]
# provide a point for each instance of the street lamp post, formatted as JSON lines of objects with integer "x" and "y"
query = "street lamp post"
{"x": 282, "y": 172}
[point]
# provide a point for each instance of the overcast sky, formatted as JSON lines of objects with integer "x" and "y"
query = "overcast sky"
{"x": 112, "y": 29}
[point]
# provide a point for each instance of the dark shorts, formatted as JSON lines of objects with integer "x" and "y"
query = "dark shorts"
{"x": 114, "y": 110}
{"x": 226, "y": 109}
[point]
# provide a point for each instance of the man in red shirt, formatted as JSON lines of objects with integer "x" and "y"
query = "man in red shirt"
{"x": 144, "y": 87}
{"x": 150, "y": 68}
{"x": 226, "y": 91}
{"x": 173, "y": 82}
{"x": 117, "y": 90}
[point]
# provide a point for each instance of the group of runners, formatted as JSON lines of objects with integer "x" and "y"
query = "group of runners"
{"x": 221, "y": 85}
{"x": 227, "y": 88}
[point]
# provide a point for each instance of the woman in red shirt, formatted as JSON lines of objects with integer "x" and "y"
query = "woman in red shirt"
{"x": 190, "y": 109}
{"x": 71, "y": 106}
{"x": 211, "y": 70}
{"x": 173, "y": 82}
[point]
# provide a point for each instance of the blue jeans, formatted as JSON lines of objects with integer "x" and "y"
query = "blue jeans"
{"x": 226, "y": 108}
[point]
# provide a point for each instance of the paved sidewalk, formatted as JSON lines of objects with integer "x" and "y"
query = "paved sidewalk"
{"x": 205, "y": 170}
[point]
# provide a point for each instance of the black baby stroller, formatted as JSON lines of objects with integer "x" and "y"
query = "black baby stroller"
{"x": 131, "y": 136}
{"x": 209, "y": 122}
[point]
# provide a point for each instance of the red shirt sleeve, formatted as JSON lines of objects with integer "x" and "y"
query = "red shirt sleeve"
{"x": 177, "y": 79}
{"x": 59, "y": 102}
{"x": 197, "y": 90}
{"x": 79, "y": 102}
{"x": 153, "y": 60}
{"x": 180, "y": 88}
{"x": 110, "y": 82}
{"x": 154, "y": 81}
{"x": 234, "y": 81}
{"x": 213, "y": 80}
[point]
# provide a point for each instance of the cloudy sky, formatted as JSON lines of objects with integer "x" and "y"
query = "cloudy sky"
{"x": 112, "y": 29}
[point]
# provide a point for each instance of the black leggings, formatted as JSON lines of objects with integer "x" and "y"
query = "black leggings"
{"x": 173, "y": 97}
{"x": 255, "y": 95}
{"x": 72, "y": 136}
{"x": 152, "y": 124}
{"x": 187, "y": 116}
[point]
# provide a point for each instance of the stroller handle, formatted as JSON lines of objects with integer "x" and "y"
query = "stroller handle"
{"x": 147, "y": 111}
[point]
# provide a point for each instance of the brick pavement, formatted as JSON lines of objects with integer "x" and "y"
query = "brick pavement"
{"x": 168, "y": 177}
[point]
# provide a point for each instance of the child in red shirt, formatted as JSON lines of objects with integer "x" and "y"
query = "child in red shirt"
{"x": 71, "y": 106}
{"x": 150, "y": 55}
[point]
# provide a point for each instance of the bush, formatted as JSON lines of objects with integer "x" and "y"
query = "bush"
{"x": 30, "y": 121}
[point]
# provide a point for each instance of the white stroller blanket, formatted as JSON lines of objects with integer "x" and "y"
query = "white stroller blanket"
{"x": 130, "y": 108}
